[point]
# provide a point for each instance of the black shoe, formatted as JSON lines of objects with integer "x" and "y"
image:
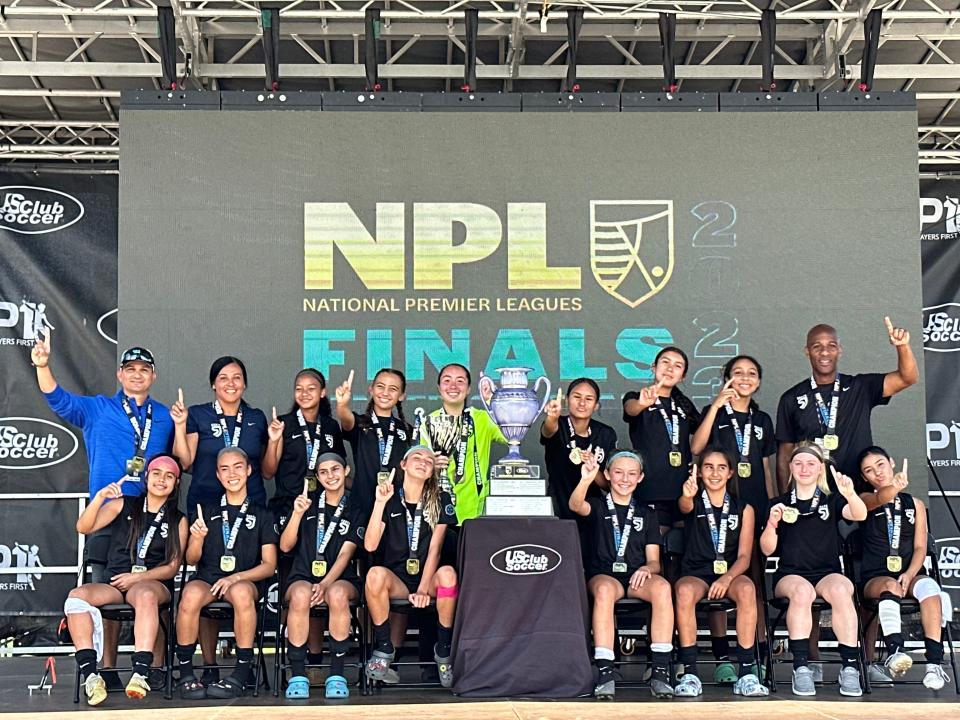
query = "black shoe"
{"x": 210, "y": 676}
{"x": 157, "y": 679}
{"x": 112, "y": 680}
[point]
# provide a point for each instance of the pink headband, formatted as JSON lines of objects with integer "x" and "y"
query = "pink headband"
{"x": 164, "y": 462}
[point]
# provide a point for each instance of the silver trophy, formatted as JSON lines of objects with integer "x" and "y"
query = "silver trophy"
{"x": 443, "y": 434}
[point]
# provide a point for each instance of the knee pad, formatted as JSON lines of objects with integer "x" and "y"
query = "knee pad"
{"x": 888, "y": 614}
{"x": 924, "y": 588}
{"x": 946, "y": 606}
{"x": 446, "y": 592}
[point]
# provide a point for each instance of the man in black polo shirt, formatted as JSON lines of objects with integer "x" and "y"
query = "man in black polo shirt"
{"x": 833, "y": 410}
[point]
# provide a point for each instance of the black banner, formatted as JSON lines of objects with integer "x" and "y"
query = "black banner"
{"x": 940, "y": 248}
{"x": 58, "y": 241}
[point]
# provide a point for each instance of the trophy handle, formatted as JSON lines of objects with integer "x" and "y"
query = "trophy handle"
{"x": 485, "y": 380}
{"x": 546, "y": 396}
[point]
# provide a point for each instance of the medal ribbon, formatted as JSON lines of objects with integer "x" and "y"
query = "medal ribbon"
{"x": 313, "y": 444}
{"x": 813, "y": 505}
{"x": 324, "y": 536}
{"x": 386, "y": 444}
{"x": 620, "y": 539}
{"x": 743, "y": 438}
{"x": 893, "y": 525}
{"x": 573, "y": 434}
{"x": 230, "y": 539}
{"x": 672, "y": 423}
{"x": 143, "y": 544}
{"x": 828, "y": 418}
{"x": 717, "y": 534}
{"x": 413, "y": 523}
{"x": 141, "y": 433}
{"x": 227, "y": 441}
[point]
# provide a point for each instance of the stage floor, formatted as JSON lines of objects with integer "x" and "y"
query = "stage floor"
{"x": 909, "y": 702}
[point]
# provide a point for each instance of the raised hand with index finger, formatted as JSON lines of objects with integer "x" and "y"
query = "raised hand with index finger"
{"x": 275, "y": 428}
{"x": 900, "y": 479}
{"x": 726, "y": 394}
{"x": 690, "y": 484}
{"x": 199, "y": 527}
{"x": 344, "y": 392}
{"x": 40, "y": 353}
{"x": 178, "y": 411}
{"x": 898, "y": 336}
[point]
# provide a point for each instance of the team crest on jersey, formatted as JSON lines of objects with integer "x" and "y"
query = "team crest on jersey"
{"x": 250, "y": 521}
{"x": 758, "y": 432}
{"x": 163, "y": 530}
{"x": 329, "y": 439}
{"x": 733, "y": 522}
{"x": 402, "y": 434}
{"x": 600, "y": 454}
{"x": 638, "y": 524}
{"x": 344, "y": 526}
{"x": 824, "y": 512}
{"x": 802, "y": 401}
{"x": 911, "y": 516}
{"x": 216, "y": 429}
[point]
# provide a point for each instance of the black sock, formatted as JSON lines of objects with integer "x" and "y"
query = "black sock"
{"x": 314, "y": 658}
{"x": 661, "y": 666}
{"x": 185, "y": 661}
{"x": 338, "y": 654}
{"x": 720, "y": 647}
{"x": 747, "y": 658}
{"x": 444, "y": 638}
{"x": 848, "y": 655}
{"x": 687, "y": 656}
{"x": 241, "y": 672}
{"x": 894, "y": 642}
{"x": 141, "y": 661}
{"x": 297, "y": 655}
{"x": 381, "y": 637}
{"x": 605, "y": 669}
{"x": 934, "y": 651}
{"x": 87, "y": 662}
{"x": 801, "y": 652}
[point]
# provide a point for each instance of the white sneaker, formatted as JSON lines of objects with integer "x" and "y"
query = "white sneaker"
{"x": 96, "y": 689}
{"x": 878, "y": 674}
{"x": 898, "y": 664}
{"x": 803, "y": 682}
{"x": 850, "y": 682}
{"x": 935, "y": 677}
{"x": 138, "y": 687}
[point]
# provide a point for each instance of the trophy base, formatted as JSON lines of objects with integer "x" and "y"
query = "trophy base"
{"x": 518, "y": 486}
{"x": 524, "y": 506}
{"x": 514, "y": 470}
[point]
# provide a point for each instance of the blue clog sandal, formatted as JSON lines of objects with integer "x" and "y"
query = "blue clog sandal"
{"x": 298, "y": 688}
{"x": 335, "y": 688}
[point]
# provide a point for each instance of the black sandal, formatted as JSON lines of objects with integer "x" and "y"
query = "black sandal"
{"x": 225, "y": 689}
{"x": 192, "y": 689}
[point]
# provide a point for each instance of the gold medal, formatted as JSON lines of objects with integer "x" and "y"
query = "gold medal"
{"x": 744, "y": 469}
{"x": 619, "y": 567}
{"x": 676, "y": 459}
{"x": 311, "y": 483}
{"x": 575, "y": 456}
{"x": 319, "y": 568}
{"x": 383, "y": 477}
{"x": 413, "y": 566}
{"x": 831, "y": 442}
{"x": 228, "y": 563}
{"x": 719, "y": 567}
{"x": 894, "y": 563}
{"x": 138, "y": 568}
{"x": 135, "y": 465}
{"x": 790, "y": 514}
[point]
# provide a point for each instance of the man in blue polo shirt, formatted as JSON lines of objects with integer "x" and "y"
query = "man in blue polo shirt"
{"x": 120, "y": 433}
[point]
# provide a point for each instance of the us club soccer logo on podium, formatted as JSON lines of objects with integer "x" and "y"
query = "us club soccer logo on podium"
{"x": 631, "y": 247}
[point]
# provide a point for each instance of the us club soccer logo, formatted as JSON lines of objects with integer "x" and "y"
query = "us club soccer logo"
{"x": 631, "y": 247}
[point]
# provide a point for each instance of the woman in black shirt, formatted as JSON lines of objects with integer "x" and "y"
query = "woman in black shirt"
{"x": 147, "y": 537}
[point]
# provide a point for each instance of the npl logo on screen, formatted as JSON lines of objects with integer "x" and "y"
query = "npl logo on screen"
{"x": 625, "y": 267}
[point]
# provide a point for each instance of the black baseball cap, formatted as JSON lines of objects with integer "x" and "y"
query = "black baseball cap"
{"x": 135, "y": 354}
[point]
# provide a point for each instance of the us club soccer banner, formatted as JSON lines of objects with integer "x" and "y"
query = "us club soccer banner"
{"x": 58, "y": 241}
{"x": 940, "y": 244}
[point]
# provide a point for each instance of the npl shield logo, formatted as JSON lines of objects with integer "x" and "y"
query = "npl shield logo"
{"x": 631, "y": 247}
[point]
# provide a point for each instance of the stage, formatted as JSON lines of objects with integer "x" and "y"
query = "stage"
{"x": 904, "y": 703}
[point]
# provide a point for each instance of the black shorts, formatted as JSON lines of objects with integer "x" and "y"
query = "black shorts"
{"x": 812, "y": 577}
{"x": 168, "y": 584}
{"x": 708, "y": 578}
{"x": 864, "y": 579}
{"x": 353, "y": 580}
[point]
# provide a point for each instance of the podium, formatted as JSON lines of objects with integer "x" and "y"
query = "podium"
{"x": 522, "y": 622}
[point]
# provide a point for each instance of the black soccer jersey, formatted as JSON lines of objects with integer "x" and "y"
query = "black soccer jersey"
{"x": 293, "y": 460}
{"x": 305, "y": 551}
{"x": 649, "y": 436}
{"x": 601, "y": 553}
{"x": 811, "y": 545}
{"x": 563, "y": 475}
{"x": 799, "y": 416}
{"x": 877, "y": 533}
{"x": 394, "y": 550}
{"x": 120, "y": 557}
{"x": 256, "y": 530}
{"x": 698, "y": 548}
{"x": 367, "y": 458}
{"x": 752, "y": 489}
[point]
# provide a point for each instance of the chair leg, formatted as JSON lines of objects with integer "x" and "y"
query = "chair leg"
{"x": 948, "y": 636}
{"x": 277, "y": 658}
{"x": 76, "y": 683}
{"x": 862, "y": 657}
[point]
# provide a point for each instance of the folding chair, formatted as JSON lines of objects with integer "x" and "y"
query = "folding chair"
{"x": 869, "y": 607}
{"x": 403, "y": 607}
